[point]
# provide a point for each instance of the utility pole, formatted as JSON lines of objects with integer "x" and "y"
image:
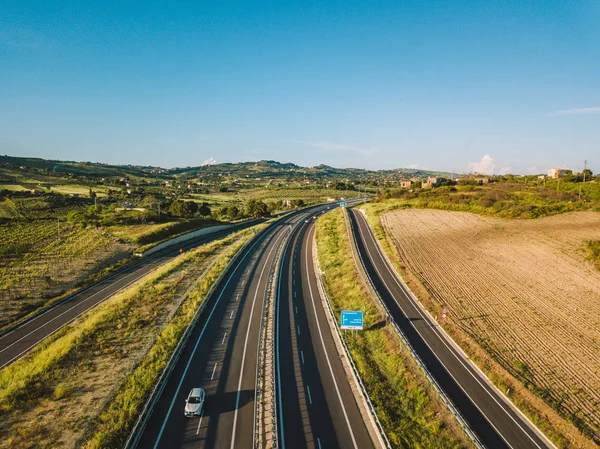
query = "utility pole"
{"x": 584, "y": 170}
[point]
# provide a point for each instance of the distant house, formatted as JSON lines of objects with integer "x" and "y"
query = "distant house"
{"x": 331, "y": 200}
{"x": 482, "y": 180}
{"x": 542, "y": 177}
{"x": 431, "y": 182}
{"x": 405, "y": 183}
{"x": 556, "y": 173}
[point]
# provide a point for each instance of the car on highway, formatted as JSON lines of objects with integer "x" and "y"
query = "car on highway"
{"x": 194, "y": 402}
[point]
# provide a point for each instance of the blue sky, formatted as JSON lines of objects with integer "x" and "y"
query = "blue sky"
{"x": 506, "y": 86}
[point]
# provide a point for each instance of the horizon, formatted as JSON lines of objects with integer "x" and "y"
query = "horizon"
{"x": 458, "y": 88}
{"x": 282, "y": 162}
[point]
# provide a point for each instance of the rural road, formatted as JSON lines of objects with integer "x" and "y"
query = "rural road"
{"x": 317, "y": 408}
{"x": 18, "y": 341}
{"x": 496, "y": 424}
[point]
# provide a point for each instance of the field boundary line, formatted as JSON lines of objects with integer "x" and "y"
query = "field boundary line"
{"x": 451, "y": 407}
{"x": 455, "y": 345}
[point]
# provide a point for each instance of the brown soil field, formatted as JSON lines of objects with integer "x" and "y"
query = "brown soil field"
{"x": 522, "y": 289}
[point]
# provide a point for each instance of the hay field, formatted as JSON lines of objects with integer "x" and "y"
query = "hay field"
{"x": 523, "y": 290}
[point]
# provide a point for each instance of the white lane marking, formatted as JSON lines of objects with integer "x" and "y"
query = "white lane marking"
{"x": 239, "y": 388}
{"x": 294, "y": 281}
{"x": 298, "y": 329}
{"x": 445, "y": 344}
{"x": 66, "y": 311}
{"x": 302, "y": 355}
{"x": 319, "y": 442}
{"x": 294, "y": 294}
{"x": 337, "y": 389}
{"x": 231, "y": 315}
{"x": 309, "y": 397}
{"x": 200, "y": 422}
{"x": 213, "y": 374}
{"x": 75, "y": 295}
{"x": 224, "y": 338}
{"x": 187, "y": 366}
{"x": 296, "y": 308}
{"x": 238, "y": 297}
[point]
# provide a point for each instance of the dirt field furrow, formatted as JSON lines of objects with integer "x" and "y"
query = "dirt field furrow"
{"x": 523, "y": 289}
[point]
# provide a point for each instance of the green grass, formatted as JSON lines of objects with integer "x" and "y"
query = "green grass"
{"x": 505, "y": 199}
{"x": 593, "y": 250}
{"x": 398, "y": 389}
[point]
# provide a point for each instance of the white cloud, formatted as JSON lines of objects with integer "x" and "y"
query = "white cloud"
{"x": 414, "y": 166}
{"x": 505, "y": 170}
{"x": 209, "y": 161}
{"x": 580, "y": 111}
{"x": 332, "y": 146}
{"x": 486, "y": 165}
{"x": 532, "y": 170}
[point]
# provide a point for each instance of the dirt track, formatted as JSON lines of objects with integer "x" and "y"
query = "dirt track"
{"x": 521, "y": 288}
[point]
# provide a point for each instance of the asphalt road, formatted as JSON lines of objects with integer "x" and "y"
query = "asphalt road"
{"x": 489, "y": 416}
{"x": 221, "y": 357}
{"x": 317, "y": 408}
{"x": 18, "y": 341}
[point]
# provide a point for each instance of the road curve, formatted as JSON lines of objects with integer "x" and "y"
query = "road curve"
{"x": 17, "y": 342}
{"x": 221, "y": 356}
{"x": 496, "y": 423}
{"x": 317, "y": 408}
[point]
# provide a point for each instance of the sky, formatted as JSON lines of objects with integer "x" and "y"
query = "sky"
{"x": 493, "y": 87}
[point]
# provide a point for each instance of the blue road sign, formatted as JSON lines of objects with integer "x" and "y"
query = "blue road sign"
{"x": 352, "y": 319}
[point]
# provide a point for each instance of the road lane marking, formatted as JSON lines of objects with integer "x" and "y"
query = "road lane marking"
{"x": 298, "y": 329}
{"x": 302, "y": 355}
{"x": 214, "y": 370}
{"x": 200, "y": 422}
{"x": 231, "y": 316}
{"x": 224, "y": 338}
{"x": 296, "y": 307}
{"x": 294, "y": 294}
{"x": 337, "y": 389}
{"x": 238, "y": 297}
{"x": 239, "y": 388}
{"x": 319, "y": 442}
{"x": 309, "y": 397}
{"x": 187, "y": 366}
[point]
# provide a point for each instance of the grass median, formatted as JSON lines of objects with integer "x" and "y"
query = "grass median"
{"x": 410, "y": 411}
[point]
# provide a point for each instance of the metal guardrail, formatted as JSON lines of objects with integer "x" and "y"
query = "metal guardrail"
{"x": 142, "y": 421}
{"x": 384, "y": 441}
{"x": 459, "y": 417}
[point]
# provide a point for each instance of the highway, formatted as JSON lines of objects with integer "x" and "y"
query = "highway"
{"x": 221, "y": 356}
{"x": 317, "y": 408}
{"x": 18, "y": 341}
{"x": 496, "y": 423}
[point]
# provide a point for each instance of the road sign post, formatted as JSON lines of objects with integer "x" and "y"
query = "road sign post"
{"x": 351, "y": 319}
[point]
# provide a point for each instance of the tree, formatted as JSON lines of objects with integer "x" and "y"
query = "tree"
{"x": 233, "y": 212}
{"x": 256, "y": 208}
{"x": 204, "y": 210}
{"x": 184, "y": 209}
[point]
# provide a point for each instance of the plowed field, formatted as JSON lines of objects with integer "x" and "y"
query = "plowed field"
{"x": 522, "y": 289}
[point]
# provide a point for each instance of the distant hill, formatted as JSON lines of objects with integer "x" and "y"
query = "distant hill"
{"x": 263, "y": 169}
